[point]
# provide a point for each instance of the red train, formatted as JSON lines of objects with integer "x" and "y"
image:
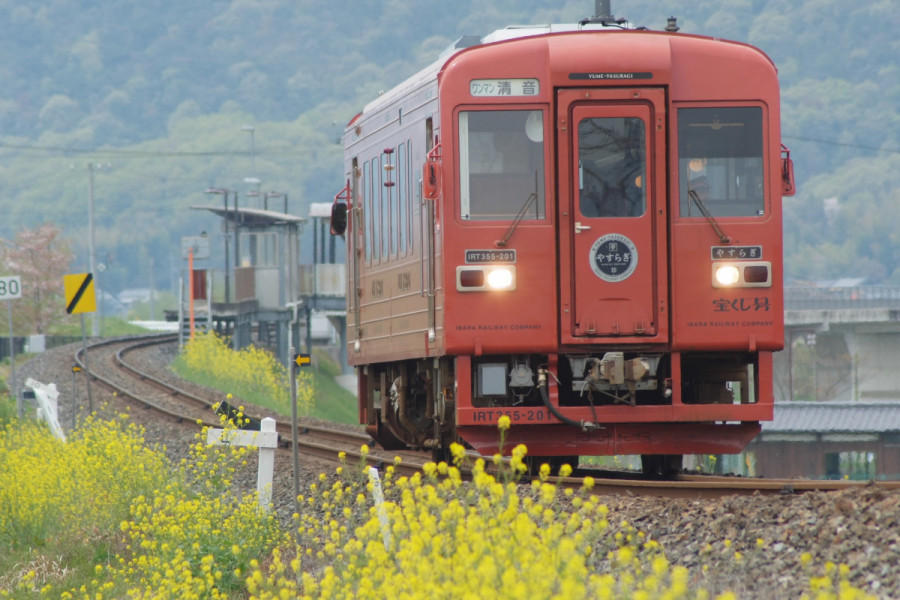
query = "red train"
{"x": 578, "y": 227}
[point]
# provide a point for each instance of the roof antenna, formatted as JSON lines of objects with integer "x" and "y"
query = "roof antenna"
{"x": 603, "y": 14}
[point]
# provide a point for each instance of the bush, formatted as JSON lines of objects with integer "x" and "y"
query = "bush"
{"x": 252, "y": 374}
{"x": 103, "y": 516}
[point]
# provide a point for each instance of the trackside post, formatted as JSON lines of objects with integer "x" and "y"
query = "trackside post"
{"x": 47, "y": 398}
{"x": 378, "y": 496}
{"x": 266, "y": 439}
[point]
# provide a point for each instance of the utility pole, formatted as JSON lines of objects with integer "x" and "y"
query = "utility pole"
{"x": 92, "y": 250}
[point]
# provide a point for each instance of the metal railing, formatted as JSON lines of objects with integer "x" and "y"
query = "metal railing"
{"x": 323, "y": 280}
{"x": 819, "y": 298}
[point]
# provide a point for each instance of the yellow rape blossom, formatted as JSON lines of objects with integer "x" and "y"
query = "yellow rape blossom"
{"x": 434, "y": 534}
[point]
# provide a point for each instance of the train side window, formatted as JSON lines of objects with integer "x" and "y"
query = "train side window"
{"x": 411, "y": 209}
{"x": 501, "y": 164}
{"x": 402, "y": 196}
{"x": 374, "y": 186}
{"x": 393, "y": 201}
{"x": 367, "y": 208}
{"x": 611, "y": 167}
{"x": 376, "y": 210}
{"x": 720, "y": 160}
{"x": 354, "y": 201}
{"x": 383, "y": 210}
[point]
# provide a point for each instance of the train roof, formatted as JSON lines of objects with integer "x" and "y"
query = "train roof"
{"x": 835, "y": 417}
{"x": 508, "y": 33}
{"x": 514, "y": 32}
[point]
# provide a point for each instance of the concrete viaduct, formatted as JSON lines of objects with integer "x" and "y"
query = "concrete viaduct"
{"x": 841, "y": 344}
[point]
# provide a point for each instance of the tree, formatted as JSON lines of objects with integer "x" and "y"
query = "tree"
{"x": 40, "y": 257}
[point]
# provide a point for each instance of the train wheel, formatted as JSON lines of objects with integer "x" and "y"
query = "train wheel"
{"x": 663, "y": 466}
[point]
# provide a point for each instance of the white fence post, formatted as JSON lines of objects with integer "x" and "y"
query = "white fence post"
{"x": 378, "y": 496}
{"x": 47, "y": 397}
{"x": 266, "y": 464}
{"x": 266, "y": 439}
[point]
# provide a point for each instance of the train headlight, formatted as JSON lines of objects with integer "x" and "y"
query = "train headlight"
{"x": 486, "y": 278}
{"x": 727, "y": 275}
{"x": 756, "y": 273}
{"x": 500, "y": 278}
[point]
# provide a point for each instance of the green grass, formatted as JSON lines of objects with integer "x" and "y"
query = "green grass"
{"x": 106, "y": 516}
{"x": 110, "y": 327}
{"x": 333, "y": 402}
{"x": 7, "y": 409}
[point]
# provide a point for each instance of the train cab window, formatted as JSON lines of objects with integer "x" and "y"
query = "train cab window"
{"x": 611, "y": 167}
{"x": 720, "y": 160}
{"x": 501, "y": 164}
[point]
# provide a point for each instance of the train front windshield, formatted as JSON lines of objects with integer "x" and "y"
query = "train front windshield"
{"x": 611, "y": 165}
{"x": 720, "y": 161}
{"x": 501, "y": 165}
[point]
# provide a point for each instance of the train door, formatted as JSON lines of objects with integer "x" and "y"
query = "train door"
{"x": 613, "y": 211}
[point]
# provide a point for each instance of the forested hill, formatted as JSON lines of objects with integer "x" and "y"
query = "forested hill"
{"x": 163, "y": 89}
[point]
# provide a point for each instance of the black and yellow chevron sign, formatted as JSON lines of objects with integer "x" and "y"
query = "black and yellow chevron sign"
{"x": 80, "y": 295}
{"x": 302, "y": 360}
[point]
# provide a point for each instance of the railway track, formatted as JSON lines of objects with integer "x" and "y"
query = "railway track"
{"x": 110, "y": 367}
{"x": 711, "y": 486}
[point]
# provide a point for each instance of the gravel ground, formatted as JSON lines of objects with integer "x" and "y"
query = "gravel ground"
{"x": 858, "y": 528}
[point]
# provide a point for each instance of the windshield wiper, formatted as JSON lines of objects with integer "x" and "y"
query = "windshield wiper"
{"x": 712, "y": 221}
{"x": 532, "y": 197}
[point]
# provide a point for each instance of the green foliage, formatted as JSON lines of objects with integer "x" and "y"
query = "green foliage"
{"x": 84, "y": 88}
{"x": 140, "y": 311}
{"x": 7, "y": 404}
{"x": 66, "y": 492}
{"x": 109, "y": 327}
{"x": 333, "y": 402}
{"x": 103, "y": 516}
{"x": 252, "y": 374}
{"x": 126, "y": 523}
{"x": 435, "y": 535}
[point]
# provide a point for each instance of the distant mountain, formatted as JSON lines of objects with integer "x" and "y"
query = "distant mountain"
{"x": 162, "y": 90}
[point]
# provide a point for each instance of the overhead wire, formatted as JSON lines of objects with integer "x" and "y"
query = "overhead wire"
{"x": 845, "y": 144}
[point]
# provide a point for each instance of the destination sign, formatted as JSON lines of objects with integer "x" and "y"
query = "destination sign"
{"x": 504, "y": 87}
{"x": 736, "y": 252}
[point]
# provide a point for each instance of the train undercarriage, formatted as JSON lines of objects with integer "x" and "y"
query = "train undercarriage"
{"x": 658, "y": 405}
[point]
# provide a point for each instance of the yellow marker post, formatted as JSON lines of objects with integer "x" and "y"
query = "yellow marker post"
{"x": 81, "y": 298}
{"x": 80, "y": 295}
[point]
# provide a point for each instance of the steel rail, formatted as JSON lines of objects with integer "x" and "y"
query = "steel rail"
{"x": 327, "y": 443}
{"x": 312, "y": 442}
